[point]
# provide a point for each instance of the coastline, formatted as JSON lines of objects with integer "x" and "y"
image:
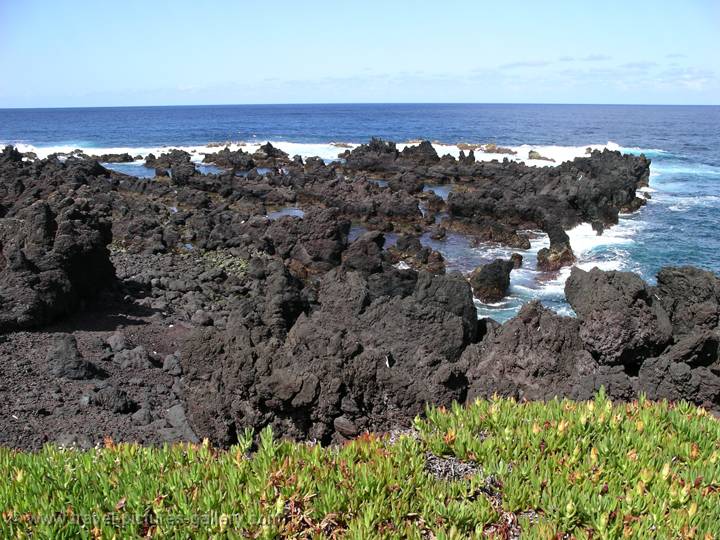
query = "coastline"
{"x": 532, "y": 284}
{"x": 329, "y": 150}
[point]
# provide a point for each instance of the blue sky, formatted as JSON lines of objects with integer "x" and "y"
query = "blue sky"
{"x": 102, "y": 52}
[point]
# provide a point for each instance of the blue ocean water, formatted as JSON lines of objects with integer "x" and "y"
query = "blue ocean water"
{"x": 678, "y": 226}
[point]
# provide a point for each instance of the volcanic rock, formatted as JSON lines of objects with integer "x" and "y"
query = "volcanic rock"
{"x": 559, "y": 253}
{"x": 54, "y": 252}
{"x": 167, "y": 160}
{"x": 237, "y": 160}
{"x": 691, "y": 297}
{"x": 350, "y": 349}
{"x": 66, "y": 362}
{"x": 536, "y": 355}
{"x": 268, "y": 156}
{"x": 534, "y": 154}
{"x": 622, "y": 322}
{"x": 114, "y": 158}
{"x": 411, "y": 252}
{"x": 114, "y": 400}
{"x": 490, "y": 282}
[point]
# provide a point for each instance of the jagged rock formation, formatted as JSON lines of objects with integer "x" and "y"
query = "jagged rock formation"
{"x": 336, "y": 367}
{"x": 53, "y": 240}
{"x": 490, "y": 282}
{"x": 628, "y": 337}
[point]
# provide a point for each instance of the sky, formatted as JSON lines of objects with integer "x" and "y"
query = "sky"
{"x": 74, "y": 53}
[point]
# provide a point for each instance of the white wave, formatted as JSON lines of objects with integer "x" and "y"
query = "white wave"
{"x": 45, "y": 151}
{"x": 605, "y": 266}
{"x": 583, "y": 239}
{"x": 585, "y": 243}
{"x": 558, "y": 154}
{"x": 328, "y": 151}
{"x": 606, "y": 252}
{"x": 682, "y": 204}
{"x": 501, "y": 304}
{"x": 649, "y": 152}
{"x": 696, "y": 169}
{"x": 540, "y": 289}
{"x": 566, "y": 311}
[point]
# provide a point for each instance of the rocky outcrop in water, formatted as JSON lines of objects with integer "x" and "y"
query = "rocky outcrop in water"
{"x": 534, "y": 154}
{"x": 237, "y": 160}
{"x": 559, "y": 254}
{"x": 490, "y": 282}
{"x": 114, "y": 158}
{"x": 168, "y": 159}
{"x": 269, "y": 156}
{"x": 514, "y": 196}
{"x": 409, "y": 251}
{"x": 586, "y": 189}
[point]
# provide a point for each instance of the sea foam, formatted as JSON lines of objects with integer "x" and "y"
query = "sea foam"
{"x": 327, "y": 151}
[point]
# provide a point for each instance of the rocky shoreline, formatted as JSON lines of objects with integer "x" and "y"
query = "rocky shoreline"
{"x": 176, "y": 309}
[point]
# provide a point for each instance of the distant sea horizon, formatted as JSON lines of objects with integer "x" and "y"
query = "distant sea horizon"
{"x": 332, "y": 103}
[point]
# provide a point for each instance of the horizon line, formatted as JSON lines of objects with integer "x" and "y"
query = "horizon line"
{"x": 362, "y": 103}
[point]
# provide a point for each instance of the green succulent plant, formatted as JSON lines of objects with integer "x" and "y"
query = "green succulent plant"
{"x": 559, "y": 469}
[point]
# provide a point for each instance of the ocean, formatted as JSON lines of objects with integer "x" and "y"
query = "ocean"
{"x": 678, "y": 226}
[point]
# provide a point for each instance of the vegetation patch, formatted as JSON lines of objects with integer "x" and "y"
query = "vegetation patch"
{"x": 496, "y": 468}
{"x": 223, "y": 259}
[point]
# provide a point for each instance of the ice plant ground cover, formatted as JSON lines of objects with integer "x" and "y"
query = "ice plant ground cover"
{"x": 497, "y": 468}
